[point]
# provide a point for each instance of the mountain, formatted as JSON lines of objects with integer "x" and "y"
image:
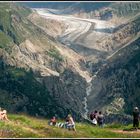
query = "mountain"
{"x": 34, "y": 68}
{"x": 51, "y": 5}
{"x": 98, "y": 10}
{"x": 72, "y": 60}
{"x": 85, "y": 7}
{"x": 103, "y": 10}
{"x": 116, "y": 87}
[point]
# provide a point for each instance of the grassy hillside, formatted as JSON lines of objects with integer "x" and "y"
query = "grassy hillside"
{"x": 23, "y": 126}
{"x": 7, "y": 11}
{"x": 11, "y": 16}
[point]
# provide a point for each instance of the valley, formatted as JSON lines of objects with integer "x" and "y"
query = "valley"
{"x": 93, "y": 39}
{"x": 75, "y": 60}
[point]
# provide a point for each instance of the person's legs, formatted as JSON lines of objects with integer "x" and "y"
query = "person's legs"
{"x": 74, "y": 128}
{"x": 54, "y": 123}
{"x": 137, "y": 123}
{"x": 2, "y": 117}
{"x": 50, "y": 123}
{"x": 70, "y": 126}
{"x": 134, "y": 123}
{"x": 6, "y": 117}
{"x": 101, "y": 124}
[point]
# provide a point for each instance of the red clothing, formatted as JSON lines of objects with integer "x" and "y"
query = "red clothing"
{"x": 53, "y": 120}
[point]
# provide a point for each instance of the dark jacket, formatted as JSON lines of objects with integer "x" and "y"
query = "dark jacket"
{"x": 136, "y": 115}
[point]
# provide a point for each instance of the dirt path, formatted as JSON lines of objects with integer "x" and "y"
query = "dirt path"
{"x": 129, "y": 132}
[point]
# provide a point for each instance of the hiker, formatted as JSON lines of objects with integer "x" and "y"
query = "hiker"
{"x": 91, "y": 116}
{"x": 53, "y": 121}
{"x": 100, "y": 118}
{"x": 70, "y": 123}
{"x": 136, "y": 118}
{"x": 3, "y": 115}
{"x": 66, "y": 122}
{"x": 94, "y": 117}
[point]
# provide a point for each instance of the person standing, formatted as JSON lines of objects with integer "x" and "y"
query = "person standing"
{"x": 94, "y": 116}
{"x": 100, "y": 119}
{"x": 136, "y": 118}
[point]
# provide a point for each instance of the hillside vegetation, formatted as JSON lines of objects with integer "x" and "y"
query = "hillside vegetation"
{"x": 10, "y": 14}
{"x": 42, "y": 73}
{"x": 30, "y": 64}
{"x": 23, "y": 126}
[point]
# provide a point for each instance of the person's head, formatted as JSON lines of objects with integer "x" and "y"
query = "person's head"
{"x": 95, "y": 111}
{"x": 136, "y": 109}
{"x": 54, "y": 117}
{"x": 69, "y": 115}
{"x": 100, "y": 112}
{"x": 4, "y": 111}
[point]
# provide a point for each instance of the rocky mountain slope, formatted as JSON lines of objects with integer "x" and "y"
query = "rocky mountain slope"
{"x": 75, "y": 62}
{"x": 116, "y": 87}
{"x": 27, "y": 48}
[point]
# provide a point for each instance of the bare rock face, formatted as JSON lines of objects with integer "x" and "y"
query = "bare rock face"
{"x": 42, "y": 76}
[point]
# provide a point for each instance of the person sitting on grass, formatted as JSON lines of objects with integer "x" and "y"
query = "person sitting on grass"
{"x": 70, "y": 123}
{"x": 53, "y": 121}
{"x": 3, "y": 115}
{"x": 66, "y": 122}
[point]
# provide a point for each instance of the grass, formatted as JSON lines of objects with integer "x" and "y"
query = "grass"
{"x": 9, "y": 33}
{"x": 55, "y": 53}
{"x": 6, "y": 42}
{"x": 24, "y": 126}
